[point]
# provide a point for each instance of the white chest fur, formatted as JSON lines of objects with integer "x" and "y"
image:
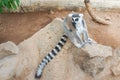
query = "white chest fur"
{"x": 80, "y": 28}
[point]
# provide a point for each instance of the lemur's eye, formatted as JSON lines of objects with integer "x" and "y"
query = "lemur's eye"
{"x": 76, "y": 19}
{"x": 72, "y": 19}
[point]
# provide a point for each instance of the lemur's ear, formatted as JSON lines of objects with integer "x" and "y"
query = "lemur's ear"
{"x": 70, "y": 15}
{"x": 81, "y": 15}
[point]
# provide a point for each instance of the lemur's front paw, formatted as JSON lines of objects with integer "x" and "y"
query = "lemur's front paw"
{"x": 90, "y": 41}
{"x": 79, "y": 45}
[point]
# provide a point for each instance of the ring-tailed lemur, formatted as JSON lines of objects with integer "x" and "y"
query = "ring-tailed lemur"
{"x": 76, "y": 29}
{"x": 74, "y": 26}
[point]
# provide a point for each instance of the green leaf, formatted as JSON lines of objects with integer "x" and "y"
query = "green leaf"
{"x": 1, "y": 10}
{"x": 18, "y": 2}
{"x": 11, "y": 5}
{"x": 17, "y": 5}
{"x": 7, "y": 5}
{"x": 1, "y": 4}
{"x": 14, "y": 6}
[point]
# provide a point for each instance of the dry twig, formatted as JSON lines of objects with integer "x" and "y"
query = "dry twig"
{"x": 93, "y": 15}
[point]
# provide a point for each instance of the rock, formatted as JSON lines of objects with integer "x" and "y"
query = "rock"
{"x": 107, "y": 18}
{"x": 92, "y": 58}
{"x": 116, "y": 55}
{"x": 97, "y": 50}
{"x": 93, "y": 66}
{"x": 116, "y": 69}
{"x": 116, "y": 62}
{"x": 35, "y": 48}
{"x": 7, "y": 49}
{"x": 51, "y": 12}
{"x": 8, "y": 60}
{"x": 8, "y": 67}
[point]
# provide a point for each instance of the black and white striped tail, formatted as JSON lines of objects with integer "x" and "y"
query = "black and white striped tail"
{"x": 50, "y": 56}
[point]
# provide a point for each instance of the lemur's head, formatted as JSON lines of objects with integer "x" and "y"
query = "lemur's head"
{"x": 76, "y": 18}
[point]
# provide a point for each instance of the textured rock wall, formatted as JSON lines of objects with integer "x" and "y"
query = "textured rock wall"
{"x": 40, "y": 5}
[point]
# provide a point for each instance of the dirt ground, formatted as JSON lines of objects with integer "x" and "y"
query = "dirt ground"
{"x": 18, "y": 27}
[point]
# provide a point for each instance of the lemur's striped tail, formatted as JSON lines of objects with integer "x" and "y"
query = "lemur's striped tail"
{"x": 50, "y": 56}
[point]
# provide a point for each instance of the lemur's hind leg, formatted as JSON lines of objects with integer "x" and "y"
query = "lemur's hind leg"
{"x": 77, "y": 44}
{"x": 75, "y": 39}
{"x": 85, "y": 36}
{"x": 87, "y": 39}
{"x": 78, "y": 38}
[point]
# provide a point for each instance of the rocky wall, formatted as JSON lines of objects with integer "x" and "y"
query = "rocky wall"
{"x": 43, "y": 5}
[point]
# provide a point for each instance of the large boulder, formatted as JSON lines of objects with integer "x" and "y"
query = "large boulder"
{"x": 116, "y": 62}
{"x": 94, "y": 50}
{"x": 8, "y": 48}
{"x": 8, "y": 60}
{"x": 94, "y": 61}
{"x": 93, "y": 66}
{"x": 33, "y": 50}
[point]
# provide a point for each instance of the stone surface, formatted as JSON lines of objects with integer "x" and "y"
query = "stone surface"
{"x": 38, "y": 5}
{"x": 8, "y": 67}
{"x": 116, "y": 69}
{"x": 93, "y": 66}
{"x": 116, "y": 62}
{"x": 8, "y": 60}
{"x": 98, "y": 50}
{"x": 8, "y": 48}
{"x": 33, "y": 50}
{"x": 116, "y": 55}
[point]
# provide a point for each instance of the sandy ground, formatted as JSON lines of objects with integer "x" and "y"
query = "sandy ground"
{"x": 18, "y": 27}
